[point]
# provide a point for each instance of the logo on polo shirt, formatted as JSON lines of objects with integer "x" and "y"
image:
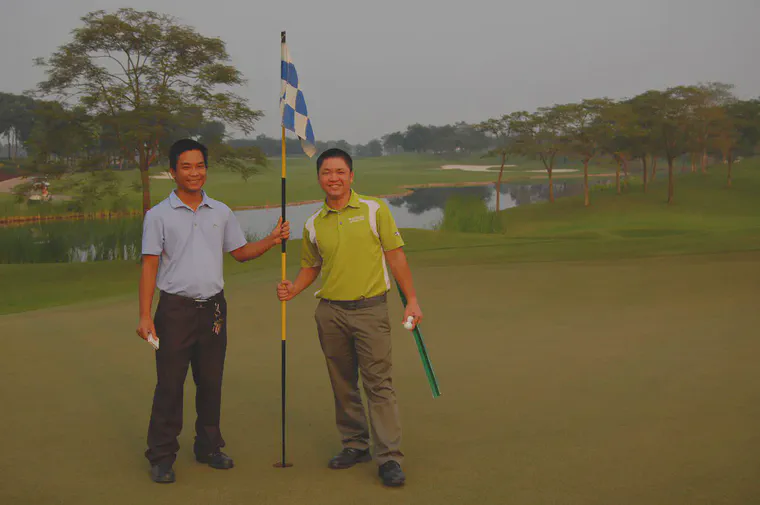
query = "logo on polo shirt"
{"x": 356, "y": 219}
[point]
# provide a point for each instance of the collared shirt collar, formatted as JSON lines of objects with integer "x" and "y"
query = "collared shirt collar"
{"x": 175, "y": 201}
{"x": 353, "y": 202}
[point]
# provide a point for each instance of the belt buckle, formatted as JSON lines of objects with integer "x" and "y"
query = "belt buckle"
{"x": 200, "y": 303}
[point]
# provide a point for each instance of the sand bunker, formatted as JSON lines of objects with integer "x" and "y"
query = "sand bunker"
{"x": 162, "y": 175}
{"x": 557, "y": 170}
{"x": 474, "y": 168}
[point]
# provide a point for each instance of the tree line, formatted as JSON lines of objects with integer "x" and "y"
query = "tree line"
{"x": 701, "y": 121}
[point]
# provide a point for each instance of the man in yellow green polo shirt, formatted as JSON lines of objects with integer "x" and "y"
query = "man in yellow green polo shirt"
{"x": 353, "y": 242}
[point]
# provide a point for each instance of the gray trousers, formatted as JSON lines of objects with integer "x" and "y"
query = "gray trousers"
{"x": 353, "y": 341}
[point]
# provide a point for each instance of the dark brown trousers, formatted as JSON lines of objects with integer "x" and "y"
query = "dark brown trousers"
{"x": 190, "y": 333}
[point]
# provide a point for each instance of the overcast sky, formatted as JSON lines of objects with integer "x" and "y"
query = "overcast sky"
{"x": 369, "y": 68}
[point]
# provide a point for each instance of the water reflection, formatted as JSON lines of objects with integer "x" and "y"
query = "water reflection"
{"x": 71, "y": 241}
{"x": 102, "y": 240}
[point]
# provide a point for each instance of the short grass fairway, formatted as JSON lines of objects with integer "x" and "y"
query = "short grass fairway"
{"x": 631, "y": 382}
{"x": 604, "y": 355}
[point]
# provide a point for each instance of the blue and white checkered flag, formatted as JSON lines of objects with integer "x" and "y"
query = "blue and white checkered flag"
{"x": 293, "y": 105}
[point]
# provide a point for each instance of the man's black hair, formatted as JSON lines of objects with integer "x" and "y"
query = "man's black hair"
{"x": 182, "y": 146}
{"x": 335, "y": 153}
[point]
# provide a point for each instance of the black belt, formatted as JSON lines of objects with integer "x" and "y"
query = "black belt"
{"x": 362, "y": 303}
{"x": 198, "y": 303}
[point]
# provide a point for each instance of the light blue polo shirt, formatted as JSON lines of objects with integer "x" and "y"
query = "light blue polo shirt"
{"x": 191, "y": 244}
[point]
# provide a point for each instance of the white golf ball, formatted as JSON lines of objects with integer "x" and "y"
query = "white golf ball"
{"x": 409, "y": 323}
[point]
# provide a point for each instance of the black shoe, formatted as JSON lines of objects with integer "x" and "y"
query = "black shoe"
{"x": 218, "y": 460}
{"x": 392, "y": 474}
{"x": 162, "y": 473}
{"x": 348, "y": 457}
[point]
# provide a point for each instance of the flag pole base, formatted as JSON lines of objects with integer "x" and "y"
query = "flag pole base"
{"x": 280, "y": 464}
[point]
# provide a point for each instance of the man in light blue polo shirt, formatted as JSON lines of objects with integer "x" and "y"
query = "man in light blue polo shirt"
{"x": 184, "y": 241}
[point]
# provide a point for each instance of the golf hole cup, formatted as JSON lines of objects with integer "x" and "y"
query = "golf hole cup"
{"x": 409, "y": 323}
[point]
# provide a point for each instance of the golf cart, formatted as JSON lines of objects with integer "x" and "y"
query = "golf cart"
{"x": 40, "y": 192}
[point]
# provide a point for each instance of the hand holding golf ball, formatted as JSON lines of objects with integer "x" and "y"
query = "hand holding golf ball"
{"x": 409, "y": 323}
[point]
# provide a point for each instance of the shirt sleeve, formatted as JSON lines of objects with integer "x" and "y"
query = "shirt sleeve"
{"x": 390, "y": 238}
{"x": 234, "y": 238}
{"x": 153, "y": 235}
{"x": 310, "y": 256}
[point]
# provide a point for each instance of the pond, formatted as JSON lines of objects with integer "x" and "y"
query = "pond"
{"x": 103, "y": 240}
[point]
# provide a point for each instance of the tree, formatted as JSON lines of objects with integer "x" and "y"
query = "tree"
{"x": 645, "y": 107}
{"x": 212, "y": 132}
{"x": 539, "y": 135}
{"x": 586, "y": 132}
{"x": 499, "y": 129}
{"x": 60, "y": 135}
{"x": 623, "y": 136}
{"x": 393, "y": 142}
{"x": 137, "y": 70}
{"x": 246, "y": 161}
{"x": 673, "y": 118}
{"x": 417, "y": 138}
{"x": 747, "y": 115}
{"x": 712, "y": 96}
{"x": 705, "y": 107}
{"x": 469, "y": 139}
{"x": 727, "y": 134}
{"x": 375, "y": 147}
{"x": 16, "y": 120}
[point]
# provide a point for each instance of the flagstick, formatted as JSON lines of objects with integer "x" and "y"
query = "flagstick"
{"x": 282, "y": 463}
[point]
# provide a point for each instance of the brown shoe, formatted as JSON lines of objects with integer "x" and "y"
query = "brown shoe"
{"x": 348, "y": 457}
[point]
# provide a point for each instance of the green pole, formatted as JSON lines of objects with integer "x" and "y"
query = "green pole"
{"x": 423, "y": 352}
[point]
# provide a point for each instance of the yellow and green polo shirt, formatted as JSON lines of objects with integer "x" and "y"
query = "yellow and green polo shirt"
{"x": 349, "y": 245}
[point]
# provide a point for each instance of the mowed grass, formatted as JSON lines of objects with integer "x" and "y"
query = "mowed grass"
{"x": 586, "y": 356}
{"x": 706, "y": 218}
{"x": 625, "y": 382}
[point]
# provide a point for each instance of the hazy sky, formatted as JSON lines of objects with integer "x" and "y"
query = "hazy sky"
{"x": 369, "y": 68}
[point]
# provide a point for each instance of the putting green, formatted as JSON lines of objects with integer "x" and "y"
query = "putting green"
{"x": 628, "y": 382}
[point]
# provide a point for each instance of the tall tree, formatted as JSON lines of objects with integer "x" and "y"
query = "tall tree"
{"x": 499, "y": 129}
{"x": 715, "y": 95}
{"x": 747, "y": 115}
{"x": 60, "y": 136}
{"x": 624, "y": 136}
{"x": 417, "y": 138}
{"x": 374, "y": 148}
{"x": 674, "y": 117}
{"x": 16, "y": 120}
{"x": 645, "y": 107}
{"x": 138, "y": 69}
{"x": 393, "y": 142}
{"x": 727, "y": 134}
{"x": 246, "y": 161}
{"x": 706, "y": 103}
{"x": 539, "y": 135}
{"x": 586, "y": 133}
